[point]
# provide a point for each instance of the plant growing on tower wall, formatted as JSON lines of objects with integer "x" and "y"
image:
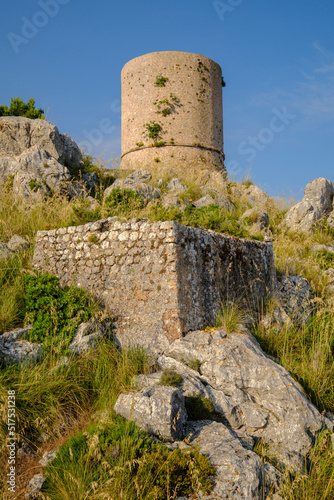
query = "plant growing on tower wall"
{"x": 153, "y": 129}
{"x": 160, "y": 81}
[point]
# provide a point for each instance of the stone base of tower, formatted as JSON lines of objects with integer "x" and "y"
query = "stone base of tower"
{"x": 180, "y": 160}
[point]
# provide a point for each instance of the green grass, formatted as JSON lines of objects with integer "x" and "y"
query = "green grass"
{"x": 308, "y": 353}
{"x": 170, "y": 377}
{"x": 119, "y": 459}
{"x": 230, "y": 317}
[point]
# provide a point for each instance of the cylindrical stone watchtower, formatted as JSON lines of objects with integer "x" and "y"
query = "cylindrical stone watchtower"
{"x": 172, "y": 113}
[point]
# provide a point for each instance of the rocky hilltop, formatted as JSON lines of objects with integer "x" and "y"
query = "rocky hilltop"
{"x": 223, "y": 288}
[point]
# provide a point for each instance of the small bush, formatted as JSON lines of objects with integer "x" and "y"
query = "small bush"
{"x": 19, "y": 108}
{"x": 153, "y": 129}
{"x": 34, "y": 185}
{"x": 82, "y": 213}
{"x": 54, "y": 312}
{"x": 122, "y": 201}
{"x": 194, "y": 364}
{"x": 170, "y": 377}
{"x": 160, "y": 81}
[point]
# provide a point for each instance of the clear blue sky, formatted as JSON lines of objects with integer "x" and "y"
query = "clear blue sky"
{"x": 277, "y": 60}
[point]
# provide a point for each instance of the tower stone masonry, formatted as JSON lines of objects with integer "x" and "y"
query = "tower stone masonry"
{"x": 172, "y": 115}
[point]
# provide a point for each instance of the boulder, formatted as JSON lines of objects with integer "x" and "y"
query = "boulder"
{"x": 176, "y": 185}
{"x": 48, "y": 456}
{"x": 316, "y": 203}
{"x": 252, "y": 195}
{"x": 17, "y": 243}
{"x": 88, "y": 335}
{"x": 18, "y": 134}
{"x": 158, "y": 410}
{"x": 330, "y": 219}
{"x": 224, "y": 202}
{"x": 296, "y": 298}
{"x": 238, "y": 471}
{"x": 257, "y": 218}
{"x": 90, "y": 178}
{"x": 14, "y": 349}
{"x": 35, "y": 486}
{"x": 255, "y": 396}
{"x": 36, "y": 156}
{"x": 205, "y": 201}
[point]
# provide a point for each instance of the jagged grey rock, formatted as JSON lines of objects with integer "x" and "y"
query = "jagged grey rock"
{"x": 176, "y": 185}
{"x": 20, "y": 351}
{"x": 17, "y": 243}
{"x": 316, "y": 203}
{"x": 238, "y": 470}
{"x": 296, "y": 297}
{"x": 18, "y": 134}
{"x": 48, "y": 456}
{"x": 139, "y": 176}
{"x": 277, "y": 317}
{"x": 5, "y": 252}
{"x": 330, "y": 219}
{"x": 88, "y": 335}
{"x": 16, "y": 334}
{"x": 205, "y": 201}
{"x": 159, "y": 410}
{"x": 252, "y": 195}
{"x": 224, "y": 202}
{"x": 257, "y": 397}
{"x": 15, "y": 349}
{"x": 36, "y": 155}
{"x": 35, "y": 486}
{"x": 136, "y": 182}
{"x": 90, "y": 179}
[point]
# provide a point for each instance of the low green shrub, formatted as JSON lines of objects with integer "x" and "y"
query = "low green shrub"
{"x": 122, "y": 202}
{"x": 54, "y": 312}
{"x": 170, "y": 377}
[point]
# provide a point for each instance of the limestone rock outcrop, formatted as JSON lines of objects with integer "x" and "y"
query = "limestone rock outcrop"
{"x": 316, "y": 203}
{"x": 255, "y": 397}
{"x": 35, "y": 156}
{"x": 159, "y": 410}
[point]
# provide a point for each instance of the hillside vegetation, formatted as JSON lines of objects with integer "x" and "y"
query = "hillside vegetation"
{"x": 69, "y": 407}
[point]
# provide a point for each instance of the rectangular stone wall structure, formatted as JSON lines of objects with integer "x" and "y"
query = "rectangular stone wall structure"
{"x": 159, "y": 280}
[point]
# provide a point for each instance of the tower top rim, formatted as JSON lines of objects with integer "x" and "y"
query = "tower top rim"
{"x": 170, "y": 52}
